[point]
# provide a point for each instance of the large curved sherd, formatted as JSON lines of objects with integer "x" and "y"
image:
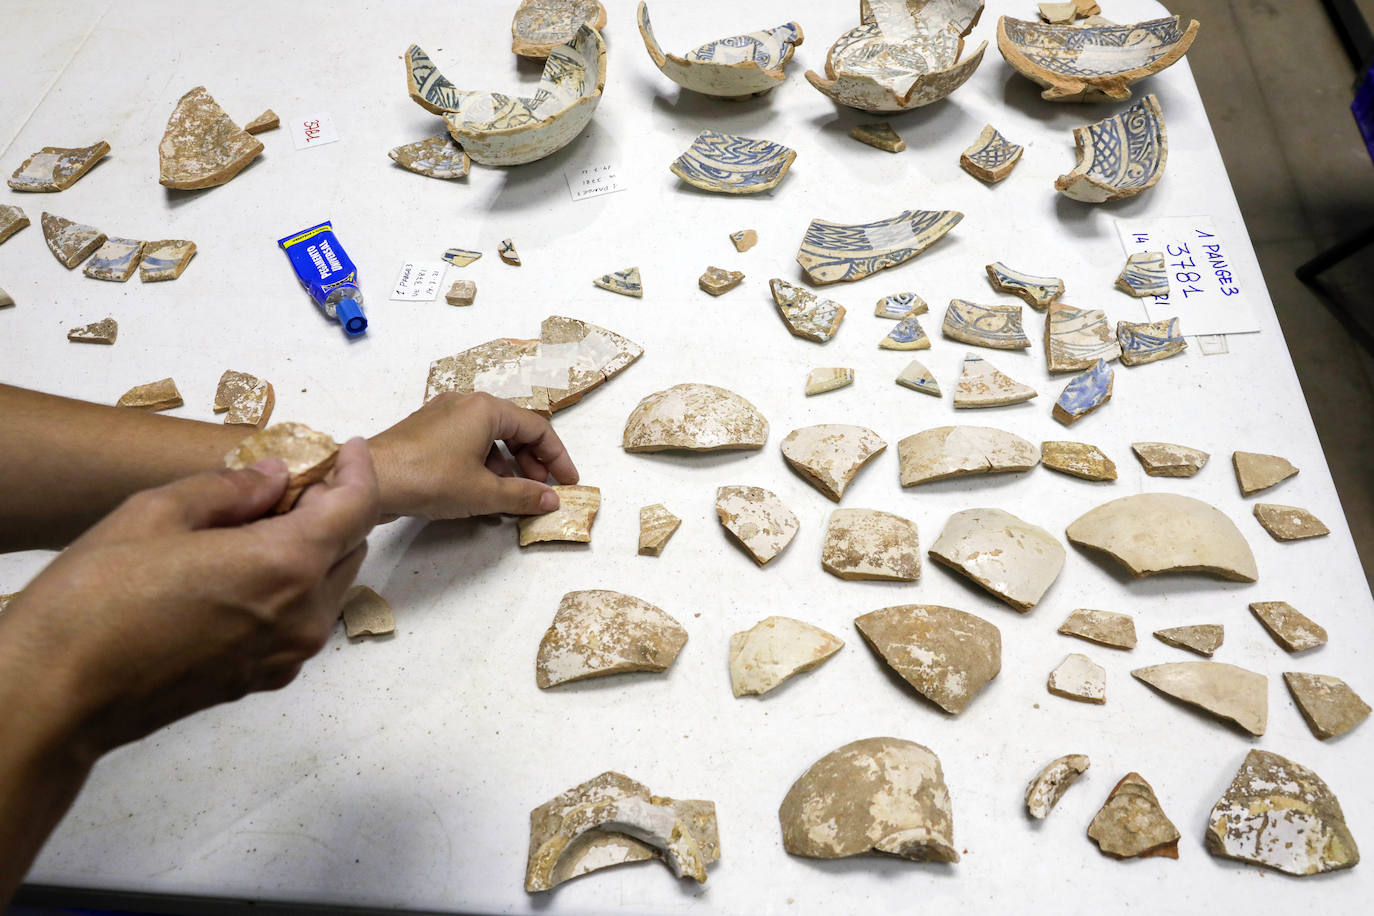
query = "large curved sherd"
{"x": 875, "y": 795}
{"x": 539, "y": 26}
{"x": 1234, "y": 694}
{"x": 727, "y": 68}
{"x": 947, "y": 655}
{"x": 1118, "y": 157}
{"x": 598, "y": 632}
{"x": 956, "y": 451}
{"x": 202, "y": 146}
{"x": 694, "y": 417}
{"x": 1011, "y": 558}
{"x": 835, "y": 252}
{"x": 1153, "y": 533}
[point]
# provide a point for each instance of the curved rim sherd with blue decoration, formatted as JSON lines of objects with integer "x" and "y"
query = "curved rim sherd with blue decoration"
{"x": 727, "y": 164}
{"x": 839, "y": 252}
{"x": 1120, "y": 156}
{"x": 1149, "y": 342}
{"x": 995, "y": 326}
{"x": 727, "y": 68}
{"x": 1144, "y": 275}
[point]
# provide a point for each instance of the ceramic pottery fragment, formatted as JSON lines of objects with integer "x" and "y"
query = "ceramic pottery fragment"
{"x": 1289, "y": 523}
{"x": 1011, "y": 558}
{"x": 116, "y": 260}
{"x": 625, "y": 282}
{"x": 571, "y": 521}
{"x": 202, "y": 146}
{"x": 508, "y": 253}
{"x": 728, "y": 68}
{"x": 991, "y": 157}
{"x": 730, "y": 164}
{"x": 1115, "y": 631}
{"x": 6, "y": 300}
{"x": 1144, "y": 275}
{"x": 744, "y": 239}
{"x": 947, "y": 655}
{"x": 656, "y": 527}
{"x": 806, "y": 314}
{"x": 159, "y": 395}
{"x": 835, "y": 252}
{"x": 907, "y": 335}
{"x": 1131, "y": 823}
{"x": 1291, "y": 629}
{"x": 165, "y": 259}
{"x": 1118, "y": 157}
{"x": 1148, "y": 342}
{"x": 1075, "y": 339}
{"x": 71, "y": 243}
{"x": 1084, "y": 394}
{"x": 101, "y": 332}
{"x": 434, "y": 157}
{"x": 56, "y": 168}
{"x": 956, "y": 451}
{"x": 757, "y": 519}
{"x": 880, "y": 135}
{"x": 5, "y": 600}
{"x": 461, "y": 257}
{"x": 539, "y": 26}
{"x": 264, "y": 122}
{"x": 1092, "y": 64}
{"x": 12, "y": 219}
{"x": 819, "y": 381}
{"x": 1078, "y": 459}
{"x": 462, "y": 292}
{"x": 252, "y": 407}
{"x": 918, "y": 378}
{"x": 699, "y": 418}
{"x": 1050, "y": 784}
{"x": 613, "y": 820}
{"x": 773, "y": 650}
{"x": 1281, "y": 815}
{"x": 232, "y": 385}
{"x": 366, "y": 613}
{"x": 1058, "y": 13}
{"x": 1203, "y": 638}
{"x": 983, "y": 385}
{"x": 1328, "y": 704}
{"x": 1234, "y": 694}
{"x": 1037, "y": 292}
{"x": 1151, "y": 533}
{"x": 869, "y": 544}
{"x": 309, "y": 456}
{"x": 1079, "y": 678}
{"x": 717, "y": 281}
{"x": 599, "y": 632}
{"x": 1256, "y": 472}
{"x": 900, "y": 305}
{"x": 1165, "y": 459}
{"x": 996, "y": 326}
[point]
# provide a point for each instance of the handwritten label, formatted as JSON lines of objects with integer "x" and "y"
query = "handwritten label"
{"x": 314, "y": 130}
{"x": 1204, "y": 291}
{"x": 419, "y": 281}
{"x": 592, "y": 180}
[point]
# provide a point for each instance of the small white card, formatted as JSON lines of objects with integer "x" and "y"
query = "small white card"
{"x": 314, "y": 130}
{"x": 1204, "y": 291}
{"x": 419, "y": 281}
{"x": 592, "y": 180}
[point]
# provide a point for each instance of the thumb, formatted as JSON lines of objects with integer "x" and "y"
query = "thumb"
{"x": 214, "y": 499}
{"x": 519, "y": 496}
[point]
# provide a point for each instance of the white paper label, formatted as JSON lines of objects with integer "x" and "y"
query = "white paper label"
{"x": 1204, "y": 291}
{"x": 419, "y": 281}
{"x": 592, "y": 180}
{"x": 314, "y": 130}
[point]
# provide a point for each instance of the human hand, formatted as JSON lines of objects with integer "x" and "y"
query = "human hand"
{"x": 442, "y": 461}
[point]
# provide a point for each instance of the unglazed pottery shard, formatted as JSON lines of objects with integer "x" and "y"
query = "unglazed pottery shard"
{"x": 834, "y": 252}
{"x": 1050, "y": 784}
{"x": 1079, "y": 678}
{"x": 1151, "y": 533}
{"x": 991, "y": 157}
{"x": 918, "y": 378}
{"x": 571, "y": 521}
{"x": 947, "y": 655}
{"x": 1289, "y": 523}
{"x": 202, "y": 146}
{"x": 1096, "y": 63}
{"x": 1234, "y": 694}
{"x": 730, "y": 164}
{"x": 1291, "y": 629}
{"x": 539, "y": 26}
{"x": 462, "y": 292}
{"x": 159, "y": 395}
{"x": 252, "y": 407}
{"x": 727, "y": 68}
{"x": 12, "y": 219}
{"x": 907, "y": 335}
{"x": 1328, "y": 704}
{"x": 819, "y": 381}
{"x": 1281, "y": 815}
{"x": 100, "y": 332}
{"x": 1037, "y": 292}
{"x": 1011, "y": 558}
{"x": 996, "y": 326}
{"x": 1165, "y": 459}
{"x": 264, "y": 122}
{"x": 956, "y": 451}
{"x": 695, "y": 417}
{"x": 625, "y": 282}
{"x": 879, "y": 135}
{"x": 1131, "y": 824}
{"x": 309, "y": 456}
{"x": 461, "y": 257}
{"x": 981, "y": 384}
{"x": 1148, "y": 342}
{"x": 1058, "y": 13}
{"x": 56, "y": 168}
{"x": 115, "y": 260}
{"x": 718, "y": 281}
{"x": 165, "y": 259}
{"x": 656, "y": 527}
{"x": 1075, "y": 339}
{"x": 366, "y": 613}
{"x": 1118, "y": 157}
{"x": 434, "y": 157}
{"x": 806, "y": 314}
{"x": 599, "y": 632}
{"x": 1256, "y": 472}
{"x": 613, "y": 820}
{"x": 507, "y": 252}
{"x": 744, "y": 239}
{"x": 775, "y": 649}
{"x": 1077, "y": 459}
{"x": 1203, "y": 638}
{"x": 232, "y": 385}
{"x": 869, "y": 544}
{"x": 1084, "y": 394}
{"x": 1144, "y": 275}
{"x": 1115, "y": 631}
{"x": 900, "y": 305}
{"x": 71, "y": 243}
{"x": 757, "y": 519}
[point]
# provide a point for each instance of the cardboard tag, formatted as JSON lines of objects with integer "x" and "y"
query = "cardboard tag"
{"x": 419, "y": 281}
{"x": 314, "y": 130}
{"x": 592, "y": 180}
{"x": 1204, "y": 292}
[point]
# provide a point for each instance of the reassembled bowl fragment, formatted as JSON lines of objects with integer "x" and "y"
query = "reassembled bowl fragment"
{"x": 728, "y": 68}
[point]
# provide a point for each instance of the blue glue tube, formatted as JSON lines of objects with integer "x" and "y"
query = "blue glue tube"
{"x": 326, "y": 272}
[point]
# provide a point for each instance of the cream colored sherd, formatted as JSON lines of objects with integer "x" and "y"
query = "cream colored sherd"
{"x": 1050, "y": 784}
{"x": 571, "y": 521}
{"x": 656, "y": 527}
{"x": 1115, "y": 631}
{"x": 1153, "y": 533}
{"x": 1131, "y": 824}
{"x": 946, "y": 654}
{"x": 1255, "y": 472}
{"x": 309, "y": 456}
{"x": 366, "y": 613}
{"x": 1165, "y": 459}
{"x": 1289, "y": 523}
{"x": 869, "y": 544}
{"x": 830, "y": 455}
{"x": 1227, "y": 692}
{"x": 694, "y": 417}
{"x": 1202, "y": 638}
{"x": 757, "y": 519}
{"x": 775, "y": 649}
{"x": 1079, "y": 678}
{"x": 599, "y": 632}
{"x": 955, "y": 451}
{"x": 1011, "y": 558}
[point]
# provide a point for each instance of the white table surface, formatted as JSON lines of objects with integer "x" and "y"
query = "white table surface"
{"x": 400, "y": 772}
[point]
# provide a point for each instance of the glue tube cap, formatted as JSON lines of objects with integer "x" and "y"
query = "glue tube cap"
{"x": 351, "y": 317}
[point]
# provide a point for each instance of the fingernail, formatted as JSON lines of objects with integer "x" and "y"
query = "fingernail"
{"x": 548, "y": 502}
{"x": 270, "y": 467}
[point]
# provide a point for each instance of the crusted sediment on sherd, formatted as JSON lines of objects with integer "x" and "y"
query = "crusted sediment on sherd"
{"x": 1131, "y": 824}
{"x": 830, "y": 455}
{"x": 757, "y": 519}
{"x": 571, "y": 521}
{"x": 309, "y": 456}
{"x": 599, "y": 632}
{"x": 871, "y": 544}
{"x": 202, "y": 146}
{"x": 694, "y": 417}
{"x": 946, "y": 654}
{"x": 1050, "y": 784}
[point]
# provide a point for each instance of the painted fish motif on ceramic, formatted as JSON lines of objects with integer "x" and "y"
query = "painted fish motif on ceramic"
{"x": 996, "y": 326}
{"x": 728, "y": 164}
{"x": 1144, "y": 275}
{"x": 835, "y": 252}
{"x": 1120, "y": 156}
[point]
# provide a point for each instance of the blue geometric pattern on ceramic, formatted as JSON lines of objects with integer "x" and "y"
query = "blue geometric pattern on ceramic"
{"x": 997, "y": 151}
{"x": 831, "y": 252}
{"x": 899, "y": 305}
{"x": 729, "y": 164}
{"x": 1104, "y": 50}
{"x": 907, "y": 331}
{"x": 1087, "y": 392}
{"x": 1145, "y": 274}
{"x": 626, "y": 282}
{"x": 1126, "y": 148}
{"x": 768, "y": 48}
{"x": 1036, "y": 290}
{"x": 996, "y": 326}
{"x": 1139, "y": 344}
{"x": 124, "y": 263}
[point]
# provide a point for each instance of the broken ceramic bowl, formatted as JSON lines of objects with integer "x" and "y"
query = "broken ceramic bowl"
{"x": 727, "y": 68}
{"x": 599, "y": 632}
{"x": 956, "y": 451}
{"x": 902, "y": 55}
{"x": 1011, "y": 558}
{"x": 1095, "y": 63}
{"x": 1153, "y": 533}
{"x": 1228, "y": 692}
{"x": 1118, "y": 157}
{"x": 832, "y": 252}
{"x": 728, "y": 164}
{"x": 539, "y": 26}
{"x": 694, "y": 417}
